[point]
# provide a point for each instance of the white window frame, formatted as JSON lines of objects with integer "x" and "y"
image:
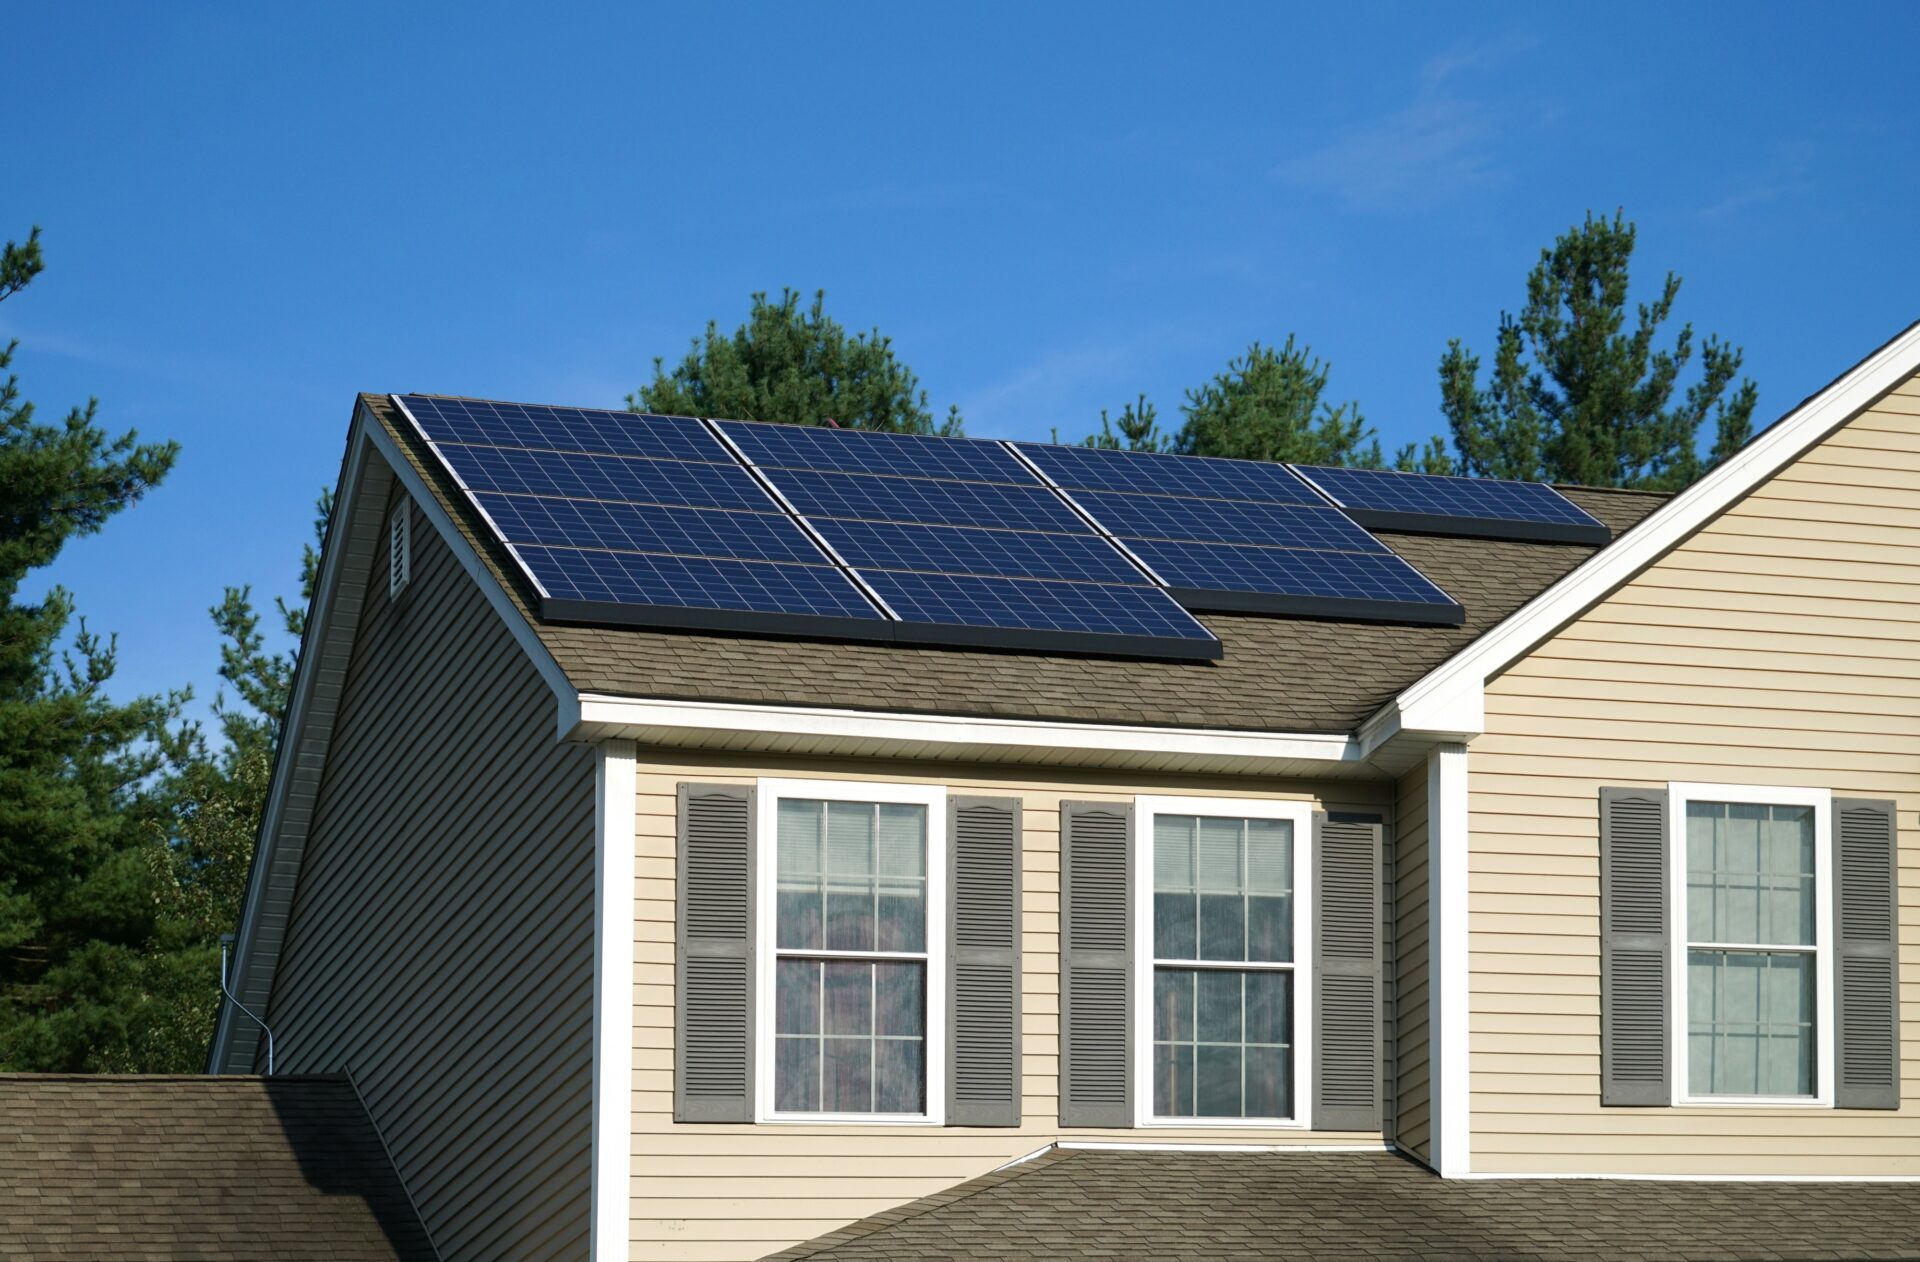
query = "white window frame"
{"x": 1300, "y": 815}
{"x": 934, "y": 799}
{"x": 1821, "y": 800}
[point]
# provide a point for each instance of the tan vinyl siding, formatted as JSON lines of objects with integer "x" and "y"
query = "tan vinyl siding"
{"x": 1413, "y": 1099}
{"x": 1780, "y": 645}
{"x": 729, "y": 1192}
{"x": 441, "y": 941}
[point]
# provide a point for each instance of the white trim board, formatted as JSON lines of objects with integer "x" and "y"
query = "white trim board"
{"x": 1449, "y": 978}
{"x": 616, "y": 792}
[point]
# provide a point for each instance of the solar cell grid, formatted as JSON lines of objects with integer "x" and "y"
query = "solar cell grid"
{"x": 1227, "y": 521}
{"x": 864, "y": 451}
{"x": 871, "y": 546}
{"x": 1091, "y": 469}
{"x": 1194, "y": 568}
{"x": 870, "y": 497}
{"x": 533, "y": 426}
{"x": 1099, "y": 613}
{"x": 1472, "y": 506}
{"x": 637, "y": 479}
{"x": 705, "y": 532}
{"x": 646, "y": 579}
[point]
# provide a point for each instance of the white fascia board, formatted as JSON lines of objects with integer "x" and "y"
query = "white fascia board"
{"x": 1448, "y": 694}
{"x": 615, "y": 795}
{"x": 603, "y": 717}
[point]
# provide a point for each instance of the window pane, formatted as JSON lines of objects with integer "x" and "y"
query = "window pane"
{"x": 1270, "y": 1008}
{"x": 850, "y": 838}
{"x": 849, "y": 1075}
{"x": 1750, "y": 1023}
{"x": 1218, "y": 1006}
{"x": 1269, "y": 928}
{"x": 1172, "y": 1005}
{"x": 1269, "y": 1073}
{"x": 1750, "y": 873}
{"x": 902, "y": 840}
{"x": 1173, "y": 1080}
{"x": 1223, "y": 927}
{"x": 1174, "y": 926}
{"x": 849, "y": 1003}
{"x": 903, "y": 916}
{"x": 1219, "y": 855}
{"x": 797, "y": 907}
{"x": 1269, "y": 856}
{"x": 899, "y": 1001}
{"x": 796, "y": 1075}
{"x": 1173, "y": 852}
{"x": 898, "y": 1078}
{"x": 850, "y": 915}
{"x": 1217, "y": 1087}
{"x": 797, "y": 997}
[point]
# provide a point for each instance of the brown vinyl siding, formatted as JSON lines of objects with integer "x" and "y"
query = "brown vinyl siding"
{"x": 729, "y": 1192}
{"x": 1411, "y": 1094}
{"x": 441, "y": 942}
{"x": 1779, "y": 645}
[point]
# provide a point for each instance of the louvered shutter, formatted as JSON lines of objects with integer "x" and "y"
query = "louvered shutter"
{"x": 1634, "y": 941}
{"x": 1096, "y": 964}
{"x": 1866, "y": 923}
{"x": 1346, "y": 975}
{"x": 713, "y": 967}
{"x": 983, "y": 962}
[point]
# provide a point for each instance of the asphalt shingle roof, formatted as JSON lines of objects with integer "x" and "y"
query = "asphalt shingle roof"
{"x": 1367, "y": 1207}
{"x": 216, "y": 1169}
{"x": 1278, "y": 674}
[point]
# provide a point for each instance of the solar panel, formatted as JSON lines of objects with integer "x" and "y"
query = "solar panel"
{"x": 638, "y": 479}
{"x": 702, "y": 532}
{"x": 1478, "y": 507}
{"x": 865, "y": 451}
{"x": 705, "y": 592}
{"x": 1207, "y": 477}
{"x": 1227, "y": 521}
{"x": 1095, "y": 617}
{"x": 537, "y": 427}
{"x": 1344, "y": 584}
{"x": 971, "y": 550}
{"x": 868, "y": 497}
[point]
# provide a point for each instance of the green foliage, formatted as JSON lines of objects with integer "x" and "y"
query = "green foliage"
{"x": 82, "y": 778}
{"x": 1269, "y": 406}
{"x": 798, "y": 367}
{"x": 1138, "y": 429}
{"x": 1576, "y": 395}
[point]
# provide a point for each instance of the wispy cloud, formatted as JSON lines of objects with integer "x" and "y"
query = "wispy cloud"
{"x": 1436, "y": 148}
{"x": 1062, "y": 389}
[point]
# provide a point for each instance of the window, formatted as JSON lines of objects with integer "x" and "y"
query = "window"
{"x": 851, "y": 923}
{"x": 1222, "y": 961}
{"x": 1752, "y": 873}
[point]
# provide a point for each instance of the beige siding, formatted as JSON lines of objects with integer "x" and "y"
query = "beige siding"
{"x": 1779, "y": 645}
{"x": 1413, "y": 1100}
{"x": 743, "y": 1191}
{"x": 441, "y": 940}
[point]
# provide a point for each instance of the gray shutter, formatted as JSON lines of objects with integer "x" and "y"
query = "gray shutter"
{"x": 1866, "y": 923}
{"x": 983, "y": 962}
{"x": 1634, "y": 940}
{"x": 1346, "y": 975}
{"x": 1096, "y": 964}
{"x": 713, "y": 967}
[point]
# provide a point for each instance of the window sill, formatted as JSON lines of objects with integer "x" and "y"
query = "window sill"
{"x": 1751, "y": 1102}
{"x": 1221, "y": 1123}
{"x": 848, "y": 1119}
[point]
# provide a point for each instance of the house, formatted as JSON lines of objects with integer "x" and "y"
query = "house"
{"x": 1505, "y": 870}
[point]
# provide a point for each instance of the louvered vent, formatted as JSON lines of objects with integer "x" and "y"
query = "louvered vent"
{"x": 399, "y": 550}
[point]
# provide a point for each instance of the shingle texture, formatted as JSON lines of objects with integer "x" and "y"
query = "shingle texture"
{"x": 1368, "y": 1207}
{"x": 1278, "y": 674}
{"x": 201, "y": 1168}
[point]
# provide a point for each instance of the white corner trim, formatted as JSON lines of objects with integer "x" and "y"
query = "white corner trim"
{"x": 1449, "y": 1076}
{"x": 614, "y": 804}
{"x": 1663, "y": 529}
{"x": 603, "y": 715}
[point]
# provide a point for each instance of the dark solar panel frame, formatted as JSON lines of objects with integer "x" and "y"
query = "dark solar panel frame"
{"x": 1475, "y": 508}
{"x": 1095, "y": 618}
{"x": 1242, "y": 578}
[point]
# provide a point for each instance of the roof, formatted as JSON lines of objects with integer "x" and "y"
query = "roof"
{"x": 222, "y": 1168}
{"x": 1277, "y": 674}
{"x": 1350, "y": 1207}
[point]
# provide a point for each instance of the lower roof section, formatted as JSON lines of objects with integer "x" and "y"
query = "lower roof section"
{"x": 1366, "y": 1207}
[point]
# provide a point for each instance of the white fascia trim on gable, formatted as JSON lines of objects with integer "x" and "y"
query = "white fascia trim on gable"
{"x": 1448, "y": 698}
{"x": 616, "y": 792}
{"x": 604, "y": 716}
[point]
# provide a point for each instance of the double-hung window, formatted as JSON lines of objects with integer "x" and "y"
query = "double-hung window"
{"x": 1753, "y": 985}
{"x": 852, "y": 922}
{"x": 1221, "y": 933}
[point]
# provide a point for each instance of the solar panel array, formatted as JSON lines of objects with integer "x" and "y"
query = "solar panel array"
{"x": 1241, "y": 535}
{"x": 957, "y": 533}
{"x": 731, "y": 525}
{"x": 1477, "y": 507}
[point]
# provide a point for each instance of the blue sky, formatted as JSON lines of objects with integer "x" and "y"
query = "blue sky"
{"x": 252, "y": 212}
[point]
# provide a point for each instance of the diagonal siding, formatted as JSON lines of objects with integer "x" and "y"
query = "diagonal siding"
{"x": 440, "y": 942}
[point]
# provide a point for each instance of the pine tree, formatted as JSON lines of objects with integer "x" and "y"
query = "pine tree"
{"x": 81, "y": 776}
{"x": 1577, "y": 396}
{"x": 1138, "y": 429}
{"x": 798, "y": 367}
{"x": 1269, "y": 405}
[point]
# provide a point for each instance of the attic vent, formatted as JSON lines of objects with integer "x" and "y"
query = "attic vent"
{"x": 399, "y": 550}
